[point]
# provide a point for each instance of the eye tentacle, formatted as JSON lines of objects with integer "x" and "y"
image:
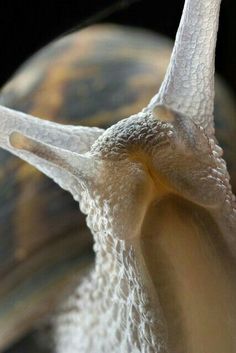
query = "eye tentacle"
{"x": 188, "y": 86}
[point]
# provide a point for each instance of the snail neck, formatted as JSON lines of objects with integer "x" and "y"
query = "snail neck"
{"x": 114, "y": 309}
{"x": 169, "y": 289}
{"x": 193, "y": 275}
{"x": 131, "y": 314}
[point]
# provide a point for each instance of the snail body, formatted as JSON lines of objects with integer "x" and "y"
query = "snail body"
{"x": 11, "y": 97}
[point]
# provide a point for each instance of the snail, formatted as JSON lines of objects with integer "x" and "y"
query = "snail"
{"x": 159, "y": 204}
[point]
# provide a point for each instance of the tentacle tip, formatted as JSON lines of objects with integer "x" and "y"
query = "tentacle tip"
{"x": 19, "y": 141}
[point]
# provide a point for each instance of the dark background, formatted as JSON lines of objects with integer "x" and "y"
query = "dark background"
{"x": 27, "y": 26}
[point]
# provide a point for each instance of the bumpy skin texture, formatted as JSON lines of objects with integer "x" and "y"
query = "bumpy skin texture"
{"x": 192, "y": 68}
{"x": 79, "y": 75}
{"x": 186, "y": 155}
{"x": 117, "y": 316}
{"x": 114, "y": 303}
{"x": 147, "y": 150}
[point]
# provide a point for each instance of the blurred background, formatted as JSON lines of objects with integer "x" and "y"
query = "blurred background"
{"x": 27, "y": 26}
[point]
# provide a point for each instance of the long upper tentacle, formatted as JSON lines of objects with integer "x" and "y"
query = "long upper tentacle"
{"x": 188, "y": 86}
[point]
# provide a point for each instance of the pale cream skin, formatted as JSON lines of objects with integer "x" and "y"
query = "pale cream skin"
{"x": 158, "y": 201}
